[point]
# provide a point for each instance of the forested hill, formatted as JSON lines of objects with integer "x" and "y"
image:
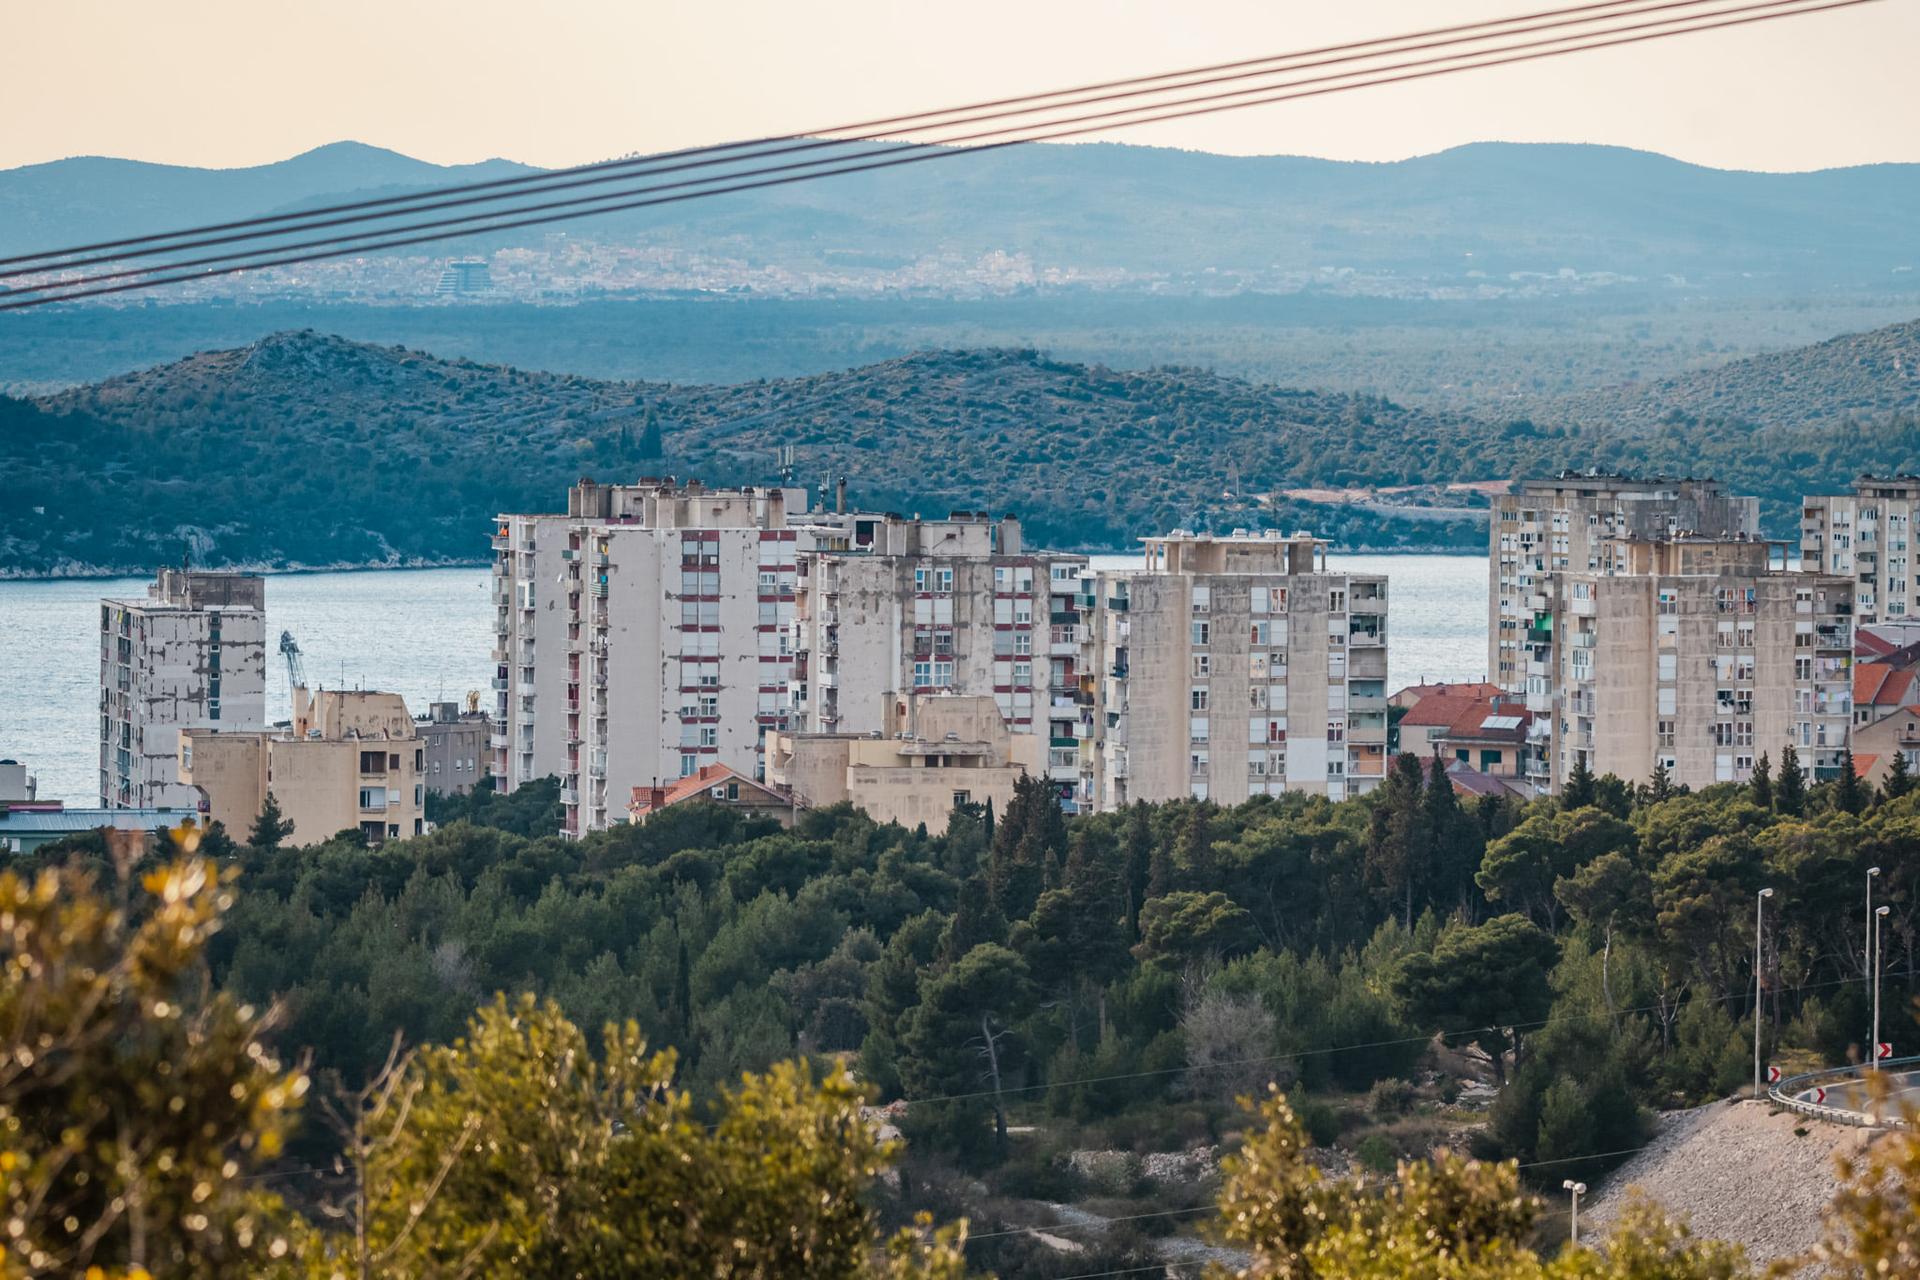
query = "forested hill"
{"x": 303, "y": 449}
{"x": 1856, "y": 377}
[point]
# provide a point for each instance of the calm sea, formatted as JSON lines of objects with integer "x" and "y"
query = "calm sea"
{"x": 426, "y": 633}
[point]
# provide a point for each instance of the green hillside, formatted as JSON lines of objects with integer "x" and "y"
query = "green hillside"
{"x": 303, "y": 449}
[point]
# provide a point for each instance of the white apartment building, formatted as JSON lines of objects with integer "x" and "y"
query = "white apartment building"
{"x": 641, "y": 636}
{"x": 192, "y": 655}
{"x": 889, "y": 606}
{"x": 1564, "y": 524}
{"x": 1865, "y": 536}
{"x": 1232, "y": 667}
{"x": 1696, "y": 653}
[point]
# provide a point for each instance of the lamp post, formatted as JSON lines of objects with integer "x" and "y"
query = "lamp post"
{"x": 1872, "y": 968}
{"x": 1577, "y": 1189}
{"x": 1759, "y": 920}
{"x": 1873, "y": 1050}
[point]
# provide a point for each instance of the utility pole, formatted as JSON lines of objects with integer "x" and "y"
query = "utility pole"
{"x": 1873, "y": 1037}
{"x": 999, "y": 1106}
{"x": 1873, "y": 1050}
{"x": 1759, "y": 922}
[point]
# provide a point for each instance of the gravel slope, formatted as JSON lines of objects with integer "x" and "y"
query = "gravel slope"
{"x": 1737, "y": 1171}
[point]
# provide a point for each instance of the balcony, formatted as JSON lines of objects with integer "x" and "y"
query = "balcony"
{"x": 500, "y": 684}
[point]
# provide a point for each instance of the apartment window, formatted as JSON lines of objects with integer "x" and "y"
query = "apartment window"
{"x": 709, "y": 735}
{"x": 689, "y": 764}
{"x": 1202, "y": 666}
{"x": 373, "y": 762}
{"x": 373, "y": 798}
{"x": 1336, "y": 601}
{"x": 708, "y": 705}
{"x": 1197, "y": 764}
{"x": 1197, "y": 698}
{"x": 1669, "y": 666}
{"x": 1256, "y": 764}
{"x": 1336, "y": 731}
{"x": 1262, "y": 633}
{"x": 922, "y": 675}
{"x": 1257, "y": 697}
{"x": 1023, "y": 672}
{"x": 1202, "y": 599}
{"x": 1202, "y": 633}
{"x": 1023, "y": 642}
{"x": 1258, "y": 601}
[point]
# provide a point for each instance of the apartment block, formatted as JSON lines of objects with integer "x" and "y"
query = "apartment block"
{"x": 457, "y": 747}
{"x": 191, "y": 655}
{"x": 1229, "y": 667}
{"x": 1693, "y": 652}
{"x": 1864, "y": 536}
{"x": 889, "y": 607}
{"x": 350, "y": 760}
{"x": 643, "y": 636}
{"x": 1565, "y": 524}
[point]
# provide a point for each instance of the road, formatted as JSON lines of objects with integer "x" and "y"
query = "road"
{"x": 1857, "y": 1095}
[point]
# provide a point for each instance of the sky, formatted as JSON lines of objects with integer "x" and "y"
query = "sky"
{"x": 226, "y": 83}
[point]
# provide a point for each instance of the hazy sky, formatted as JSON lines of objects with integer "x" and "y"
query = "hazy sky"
{"x": 552, "y": 82}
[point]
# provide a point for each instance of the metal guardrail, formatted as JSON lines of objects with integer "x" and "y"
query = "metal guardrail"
{"x": 1782, "y": 1095}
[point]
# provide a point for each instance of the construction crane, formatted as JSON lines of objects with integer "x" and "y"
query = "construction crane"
{"x": 296, "y": 669}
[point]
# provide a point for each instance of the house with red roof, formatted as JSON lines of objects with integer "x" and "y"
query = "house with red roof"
{"x": 716, "y": 784}
{"x": 1880, "y": 690}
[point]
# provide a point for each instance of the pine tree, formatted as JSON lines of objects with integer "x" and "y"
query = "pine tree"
{"x": 1848, "y": 795}
{"x": 1196, "y": 849}
{"x": 1660, "y": 786}
{"x": 1579, "y": 790}
{"x": 1899, "y": 780}
{"x": 1159, "y": 873}
{"x": 650, "y": 442}
{"x": 1453, "y": 838}
{"x": 270, "y": 829}
{"x": 1760, "y": 785}
{"x": 1138, "y": 859}
{"x": 976, "y": 919}
{"x": 1790, "y": 791}
{"x": 1399, "y": 844}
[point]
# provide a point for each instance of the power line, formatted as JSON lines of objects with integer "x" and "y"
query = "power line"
{"x": 1104, "y": 121}
{"x": 276, "y": 226}
{"x": 1294, "y": 1054}
{"x": 867, "y": 130}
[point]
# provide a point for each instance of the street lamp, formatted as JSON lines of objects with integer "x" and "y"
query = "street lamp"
{"x": 1871, "y": 968}
{"x": 1759, "y": 908}
{"x": 1578, "y": 1189}
{"x": 1873, "y": 1050}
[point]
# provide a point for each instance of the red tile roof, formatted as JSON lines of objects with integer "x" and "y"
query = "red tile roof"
{"x": 1863, "y": 765}
{"x": 1440, "y": 710}
{"x": 1877, "y": 685}
{"x": 650, "y": 799}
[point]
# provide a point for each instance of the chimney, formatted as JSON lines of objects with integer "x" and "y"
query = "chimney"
{"x": 840, "y": 496}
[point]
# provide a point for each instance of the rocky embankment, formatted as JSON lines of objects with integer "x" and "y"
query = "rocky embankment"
{"x": 1738, "y": 1171}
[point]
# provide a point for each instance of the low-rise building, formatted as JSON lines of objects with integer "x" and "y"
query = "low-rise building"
{"x": 930, "y": 753}
{"x": 457, "y": 746}
{"x": 1880, "y": 690}
{"x": 1490, "y": 736}
{"x": 25, "y": 827}
{"x": 716, "y": 784}
{"x": 350, "y": 760}
{"x": 1876, "y": 744}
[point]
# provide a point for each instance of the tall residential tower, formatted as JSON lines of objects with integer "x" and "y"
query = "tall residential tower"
{"x": 192, "y": 655}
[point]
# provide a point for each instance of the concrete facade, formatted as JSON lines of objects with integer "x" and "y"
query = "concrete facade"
{"x": 1232, "y": 667}
{"x": 1563, "y": 525}
{"x": 643, "y": 636}
{"x": 349, "y": 760}
{"x": 931, "y": 753}
{"x": 457, "y": 745}
{"x": 889, "y": 606}
{"x": 192, "y": 655}
{"x": 1865, "y": 536}
{"x": 1692, "y": 652}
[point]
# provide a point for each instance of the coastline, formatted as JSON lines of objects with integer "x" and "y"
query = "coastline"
{"x": 90, "y": 572}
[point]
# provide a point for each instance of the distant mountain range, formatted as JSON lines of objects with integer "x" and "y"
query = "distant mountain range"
{"x": 1478, "y": 213}
{"x": 305, "y": 449}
